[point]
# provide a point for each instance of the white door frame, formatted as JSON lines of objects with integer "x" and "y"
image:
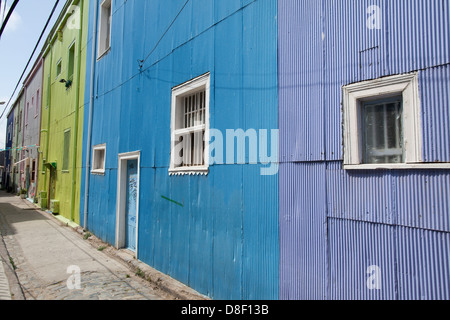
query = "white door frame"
{"x": 121, "y": 197}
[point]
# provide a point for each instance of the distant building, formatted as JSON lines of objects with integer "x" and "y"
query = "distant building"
{"x": 8, "y": 152}
{"x": 32, "y": 127}
{"x": 2, "y": 169}
{"x": 16, "y": 155}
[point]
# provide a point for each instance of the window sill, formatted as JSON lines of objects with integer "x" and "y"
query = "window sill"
{"x": 402, "y": 166}
{"x": 191, "y": 171}
{"x": 100, "y": 56}
{"x": 98, "y": 172}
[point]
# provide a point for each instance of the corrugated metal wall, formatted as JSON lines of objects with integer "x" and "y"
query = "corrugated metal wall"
{"x": 335, "y": 224}
{"x": 224, "y": 241}
{"x": 303, "y": 231}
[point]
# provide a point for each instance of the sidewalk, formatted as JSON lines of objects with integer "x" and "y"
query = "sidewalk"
{"x": 48, "y": 254}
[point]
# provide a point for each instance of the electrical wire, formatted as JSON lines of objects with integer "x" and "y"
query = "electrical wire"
{"x": 10, "y": 11}
{"x": 4, "y": 9}
{"x": 31, "y": 57}
{"x": 141, "y": 62}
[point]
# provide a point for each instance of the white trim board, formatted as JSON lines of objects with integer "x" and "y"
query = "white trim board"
{"x": 406, "y": 85}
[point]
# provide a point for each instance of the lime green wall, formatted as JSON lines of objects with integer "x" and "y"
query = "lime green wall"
{"x": 59, "y": 113}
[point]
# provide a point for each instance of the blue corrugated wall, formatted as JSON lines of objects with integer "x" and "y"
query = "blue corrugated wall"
{"x": 224, "y": 241}
{"x": 335, "y": 224}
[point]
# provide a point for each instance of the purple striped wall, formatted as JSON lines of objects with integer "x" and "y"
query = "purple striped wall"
{"x": 334, "y": 224}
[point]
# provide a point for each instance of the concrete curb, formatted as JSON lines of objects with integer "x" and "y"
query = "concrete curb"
{"x": 5, "y": 292}
{"x": 9, "y": 283}
{"x": 167, "y": 284}
{"x": 162, "y": 281}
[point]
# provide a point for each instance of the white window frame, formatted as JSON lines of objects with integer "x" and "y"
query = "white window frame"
{"x": 121, "y": 198}
{"x": 353, "y": 95}
{"x": 101, "y": 171}
{"x": 103, "y": 30}
{"x": 200, "y": 83}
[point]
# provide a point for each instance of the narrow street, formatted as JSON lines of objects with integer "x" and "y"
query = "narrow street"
{"x": 45, "y": 260}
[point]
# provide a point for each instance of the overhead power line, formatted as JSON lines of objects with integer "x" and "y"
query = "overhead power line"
{"x": 141, "y": 62}
{"x": 31, "y": 57}
{"x": 8, "y": 16}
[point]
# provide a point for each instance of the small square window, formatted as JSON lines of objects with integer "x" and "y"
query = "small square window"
{"x": 99, "y": 159}
{"x": 190, "y": 127}
{"x": 382, "y": 128}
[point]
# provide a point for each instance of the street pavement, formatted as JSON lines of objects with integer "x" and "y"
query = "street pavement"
{"x": 53, "y": 262}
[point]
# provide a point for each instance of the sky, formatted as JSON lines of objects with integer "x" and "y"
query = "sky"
{"x": 17, "y": 44}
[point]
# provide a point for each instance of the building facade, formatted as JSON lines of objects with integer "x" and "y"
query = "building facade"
{"x": 32, "y": 128}
{"x": 364, "y": 149}
{"x": 8, "y": 152}
{"x": 291, "y": 149}
{"x": 16, "y": 155}
{"x": 210, "y": 224}
{"x": 64, "y": 56}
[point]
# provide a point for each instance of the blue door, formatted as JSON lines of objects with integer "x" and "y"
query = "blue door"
{"x": 131, "y": 205}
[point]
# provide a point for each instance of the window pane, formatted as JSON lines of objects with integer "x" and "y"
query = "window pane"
{"x": 194, "y": 110}
{"x": 71, "y": 66}
{"x": 65, "y": 166}
{"x": 382, "y": 132}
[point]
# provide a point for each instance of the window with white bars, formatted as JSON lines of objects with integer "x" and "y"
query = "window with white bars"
{"x": 382, "y": 125}
{"x": 382, "y": 131}
{"x": 190, "y": 127}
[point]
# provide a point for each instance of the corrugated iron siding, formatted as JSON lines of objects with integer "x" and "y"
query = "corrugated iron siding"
{"x": 435, "y": 100}
{"x": 224, "y": 241}
{"x": 423, "y": 264}
{"x": 397, "y": 220}
{"x": 300, "y": 69}
{"x": 413, "y": 263}
{"x": 355, "y": 246}
{"x": 303, "y": 231}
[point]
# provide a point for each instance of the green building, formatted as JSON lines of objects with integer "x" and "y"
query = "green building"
{"x": 64, "y": 56}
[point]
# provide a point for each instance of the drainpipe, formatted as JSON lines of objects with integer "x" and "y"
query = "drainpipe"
{"x": 77, "y": 106}
{"x": 91, "y": 107}
{"x": 49, "y": 93}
